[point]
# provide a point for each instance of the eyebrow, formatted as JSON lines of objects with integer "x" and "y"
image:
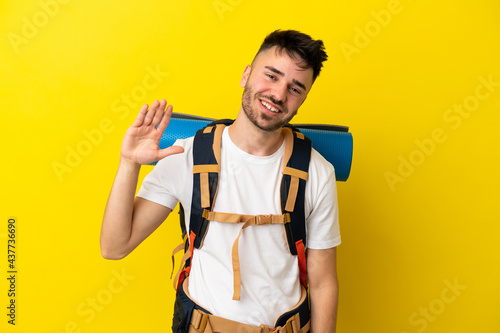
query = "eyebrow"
{"x": 275, "y": 70}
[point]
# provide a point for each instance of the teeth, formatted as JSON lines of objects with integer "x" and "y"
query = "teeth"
{"x": 269, "y": 107}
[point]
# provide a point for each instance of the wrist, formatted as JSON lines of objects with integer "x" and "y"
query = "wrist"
{"x": 129, "y": 165}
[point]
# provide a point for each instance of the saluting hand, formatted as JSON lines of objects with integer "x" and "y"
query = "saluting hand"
{"x": 141, "y": 142}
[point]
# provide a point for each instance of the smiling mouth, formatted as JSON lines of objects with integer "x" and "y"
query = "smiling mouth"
{"x": 269, "y": 106}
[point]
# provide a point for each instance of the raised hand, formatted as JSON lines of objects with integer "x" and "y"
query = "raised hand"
{"x": 141, "y": 141}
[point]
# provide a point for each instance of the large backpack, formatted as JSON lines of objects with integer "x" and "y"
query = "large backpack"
{"x": 206, "y": 171}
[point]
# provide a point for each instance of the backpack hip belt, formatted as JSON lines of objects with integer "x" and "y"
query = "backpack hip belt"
{"x": 199, "y": 320}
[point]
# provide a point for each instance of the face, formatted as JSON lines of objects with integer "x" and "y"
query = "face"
{"x": 275, "y": 86}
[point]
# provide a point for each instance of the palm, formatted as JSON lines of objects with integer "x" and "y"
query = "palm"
{"x": 141, "y": 142}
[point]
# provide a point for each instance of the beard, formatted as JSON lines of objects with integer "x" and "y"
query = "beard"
{"x": 261, "y": 120}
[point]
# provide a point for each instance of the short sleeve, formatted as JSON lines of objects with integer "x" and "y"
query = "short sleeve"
{"x": 322, "y": 216}
{"x": 166, "y": 183}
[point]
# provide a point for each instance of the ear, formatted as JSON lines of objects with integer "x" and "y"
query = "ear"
{"x": 244, "y": 77}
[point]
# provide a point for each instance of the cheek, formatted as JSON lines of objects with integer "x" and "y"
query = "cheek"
{"x": 259, "y": 85}
{"x": 296, "y": 103}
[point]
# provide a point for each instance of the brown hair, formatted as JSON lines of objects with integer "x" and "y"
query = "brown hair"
{"x": 296, "y": 43}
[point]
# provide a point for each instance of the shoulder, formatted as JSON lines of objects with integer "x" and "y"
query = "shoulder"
{"x": 185, "y": 143}
{"x": 319, "y": 167}
{"x": 321, "y": 180}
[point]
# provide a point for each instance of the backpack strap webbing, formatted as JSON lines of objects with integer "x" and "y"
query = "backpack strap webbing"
{"x": 295, "y": 172}
{"x": 206, "y": 170}
{"x": 185, "y": 262}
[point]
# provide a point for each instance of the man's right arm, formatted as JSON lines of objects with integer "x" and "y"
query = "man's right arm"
{"x": 128, "y": 220}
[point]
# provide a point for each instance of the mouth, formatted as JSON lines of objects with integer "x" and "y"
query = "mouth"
{"x": 269, "y": 106}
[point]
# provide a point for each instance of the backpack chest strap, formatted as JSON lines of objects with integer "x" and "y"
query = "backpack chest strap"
{"x": 247, "y": 220}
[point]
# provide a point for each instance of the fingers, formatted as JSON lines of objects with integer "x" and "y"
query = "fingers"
{"x": 170, "y": 151}
{"x": 151, "y": 113}
{"x": 156, "y": 116}
{"x": 140, "y": 117}
{"x": 166, "y": 119}
{"x": 159, "y": 113}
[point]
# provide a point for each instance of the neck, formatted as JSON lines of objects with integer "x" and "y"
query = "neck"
{"x": 251, "y": 139}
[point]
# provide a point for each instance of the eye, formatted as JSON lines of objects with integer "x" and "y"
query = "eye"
{"x": 271, "y": 76}
{"x": 295, "y": 90}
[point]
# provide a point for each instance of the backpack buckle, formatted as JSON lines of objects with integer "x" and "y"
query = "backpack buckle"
{"x": 199, "y": 320}
{"x": 265, "y": 219}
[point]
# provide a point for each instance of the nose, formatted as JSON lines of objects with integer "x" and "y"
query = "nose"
{"x": 280, "y": 92}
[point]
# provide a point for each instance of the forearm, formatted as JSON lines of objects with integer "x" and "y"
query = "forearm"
{"x": 117, "y": 221}
{"x": 324, "y": 301}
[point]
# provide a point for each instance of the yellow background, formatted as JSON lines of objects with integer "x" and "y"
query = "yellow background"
{"x": 65, "y": 66}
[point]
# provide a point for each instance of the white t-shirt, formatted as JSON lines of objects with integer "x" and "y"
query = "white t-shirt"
{"x": 248, "y": 184}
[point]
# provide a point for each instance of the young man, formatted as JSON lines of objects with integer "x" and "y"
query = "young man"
{"x": 252, "y": 149}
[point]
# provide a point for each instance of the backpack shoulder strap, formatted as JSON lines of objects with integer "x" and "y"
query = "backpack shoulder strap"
{"x": 292, "y": 192}
{"x": 206, "y": 170}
